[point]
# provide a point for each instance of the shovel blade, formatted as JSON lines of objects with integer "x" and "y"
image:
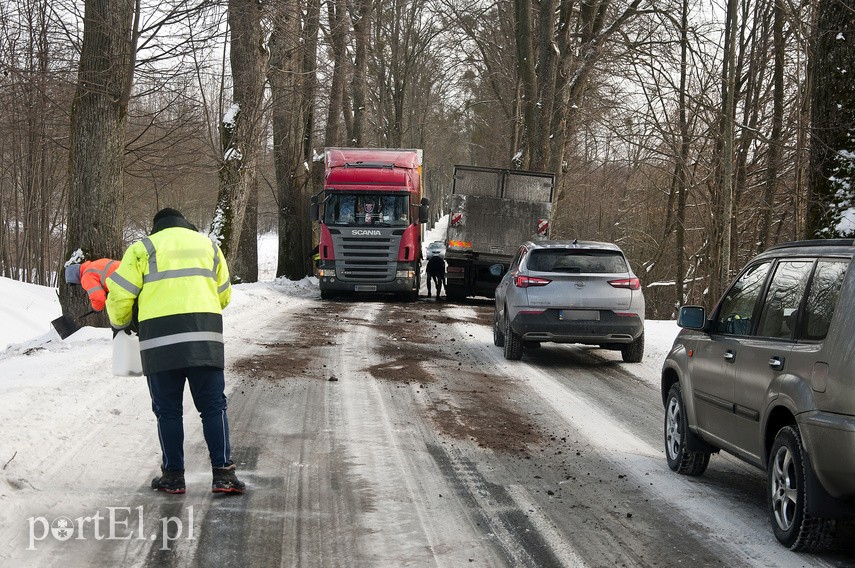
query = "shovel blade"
{"x": 64, "y": 326}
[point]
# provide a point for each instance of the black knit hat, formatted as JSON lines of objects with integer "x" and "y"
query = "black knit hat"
{"x": 167, "y": 212}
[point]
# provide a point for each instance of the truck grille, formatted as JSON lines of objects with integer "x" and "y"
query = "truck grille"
{"x": 361, "y": 259}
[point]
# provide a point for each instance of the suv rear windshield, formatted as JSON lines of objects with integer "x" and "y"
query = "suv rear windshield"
{"x": 577, "y": 261}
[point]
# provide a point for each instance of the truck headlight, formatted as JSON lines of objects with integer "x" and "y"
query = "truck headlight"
{"x": 405, "y": 274}
{"x": 322, "y": 272}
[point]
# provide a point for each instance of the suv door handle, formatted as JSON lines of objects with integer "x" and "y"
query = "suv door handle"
{"x": 729, "y": 356}
{"x": 776, "y": 363}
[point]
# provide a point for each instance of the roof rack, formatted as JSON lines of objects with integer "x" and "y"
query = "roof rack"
{"x": 815, "y": 243}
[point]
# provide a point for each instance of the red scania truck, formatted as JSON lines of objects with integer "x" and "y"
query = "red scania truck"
{"x": 370, "y": 215}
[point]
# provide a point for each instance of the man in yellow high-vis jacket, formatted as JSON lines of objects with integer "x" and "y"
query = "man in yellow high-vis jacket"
{"x": 179, "y": 279}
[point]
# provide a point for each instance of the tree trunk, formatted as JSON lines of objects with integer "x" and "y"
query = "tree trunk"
{"x": 528, "y": 77}
{"x": 290, "y": 120}
{"x": 361, "y": 18}
{"x": 729, "y": 85}
{"x": 241, "y": 129}
{"x": 832, "y": 155}
{"x": 682, "y": 162}
{"x": 336, "y": 15}
{"x": 245, "y": 266}
{"x": 775, "y": 141}
{"x": 96, "y": 154}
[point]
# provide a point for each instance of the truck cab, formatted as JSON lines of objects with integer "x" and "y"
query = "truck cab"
{"x": 370, "y": 214}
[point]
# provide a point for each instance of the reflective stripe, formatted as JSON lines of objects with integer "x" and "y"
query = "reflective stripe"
{"x": 102, "y": 273}
{"x": 178, "y": 273}
{"x": 216, "y": 258}
{"x": 152, "y": 256}
{"x": 107, "y": 270}
{"x": 154, "y": 275}
{"x": 95, "y": 289}
{"x": 181, "y": 338}
{"x": 224, "y": 287}
{"x": 123, "y": 282}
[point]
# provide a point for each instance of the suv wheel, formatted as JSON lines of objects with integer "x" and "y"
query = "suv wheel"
{"x": 633, "y": 352}
{"x": 513, "y": 342}
{"x": 788, "y": 497}
{"x": 680, "y": 458}
{"x": 498, "y": 336}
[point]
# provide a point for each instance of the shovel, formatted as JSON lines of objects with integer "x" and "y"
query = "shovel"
{"x": 66, "y": 325}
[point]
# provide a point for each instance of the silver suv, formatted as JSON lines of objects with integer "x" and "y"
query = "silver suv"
{"x": 570, "y": 292}
{"x": 770, "y": 378}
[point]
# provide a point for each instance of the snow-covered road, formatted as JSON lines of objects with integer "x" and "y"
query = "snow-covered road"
{"x": 370, "y": 433}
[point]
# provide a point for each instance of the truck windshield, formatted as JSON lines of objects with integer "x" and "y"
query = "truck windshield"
{"x": 367, "y": 209}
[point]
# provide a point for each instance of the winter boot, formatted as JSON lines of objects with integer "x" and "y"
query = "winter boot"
{"x": 171, "y": 481}
{"x": 225, "y": 480}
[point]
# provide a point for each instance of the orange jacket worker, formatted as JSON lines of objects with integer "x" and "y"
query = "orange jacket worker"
{"x": 92, "y": 276}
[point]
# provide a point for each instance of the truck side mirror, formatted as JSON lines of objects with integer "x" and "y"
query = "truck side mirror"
{"x": 497, "y": 270}
{"x": 313, "y": 208}
{"x": 424, "y": 214}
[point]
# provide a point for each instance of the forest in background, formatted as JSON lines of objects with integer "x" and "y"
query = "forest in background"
{"x": 692, "y": 133}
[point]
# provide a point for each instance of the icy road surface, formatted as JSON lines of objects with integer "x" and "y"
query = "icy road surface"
{"x": 371, "y": 434}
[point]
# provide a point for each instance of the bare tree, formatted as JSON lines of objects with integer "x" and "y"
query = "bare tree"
{"x": 831, "y": 205}
{"x": 98, "y": 119}
{"x": 555, "y": 60}
{"x": 775, "y": 138}
{"x": 241, "y": 131}
{"x": 360, "y": 15}
{"x": 36, "y": 77}
{"x": 337, "y": 19}
{"x": 292, "y": 70}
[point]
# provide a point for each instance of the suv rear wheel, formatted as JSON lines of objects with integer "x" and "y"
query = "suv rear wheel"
{"x": 633, "y": 352}
{"x": 498, "y": 336}
{"x": 680, "y": 458}
{"x": 788, "y": 497}
{"x": 513, "y": 342}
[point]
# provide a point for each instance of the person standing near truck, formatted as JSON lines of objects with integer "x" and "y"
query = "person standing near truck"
{"x": 180, "y": 281}
{"x": 435, "y": 272}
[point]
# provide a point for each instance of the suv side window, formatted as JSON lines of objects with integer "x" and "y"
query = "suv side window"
{"x": 517, "y": 259}
{"x": 737, "y": 306}
{"x": 781, "y": 306}
{"x": 822, "y": 297}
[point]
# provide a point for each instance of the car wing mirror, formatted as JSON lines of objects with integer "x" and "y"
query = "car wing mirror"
{"x": 692, "y": 317}
{"x": 497, "y": 270}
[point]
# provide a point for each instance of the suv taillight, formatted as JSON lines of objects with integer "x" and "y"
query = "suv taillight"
{"x": 629, "y": 283}
{"x": 521, "y": 281}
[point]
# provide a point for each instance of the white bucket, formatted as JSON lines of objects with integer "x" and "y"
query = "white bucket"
{"x": 126, "y": 355}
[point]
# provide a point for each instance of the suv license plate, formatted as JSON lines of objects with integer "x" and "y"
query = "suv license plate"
{"x": 579, "y": 315}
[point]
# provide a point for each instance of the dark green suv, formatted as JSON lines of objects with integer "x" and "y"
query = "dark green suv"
{"x": 770, "y": 378}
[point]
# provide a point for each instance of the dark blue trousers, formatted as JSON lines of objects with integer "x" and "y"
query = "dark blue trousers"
{"x": 207, "y": 385}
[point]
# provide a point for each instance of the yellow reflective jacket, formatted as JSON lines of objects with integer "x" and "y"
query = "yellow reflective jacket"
{"x": 180, "y": 282}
